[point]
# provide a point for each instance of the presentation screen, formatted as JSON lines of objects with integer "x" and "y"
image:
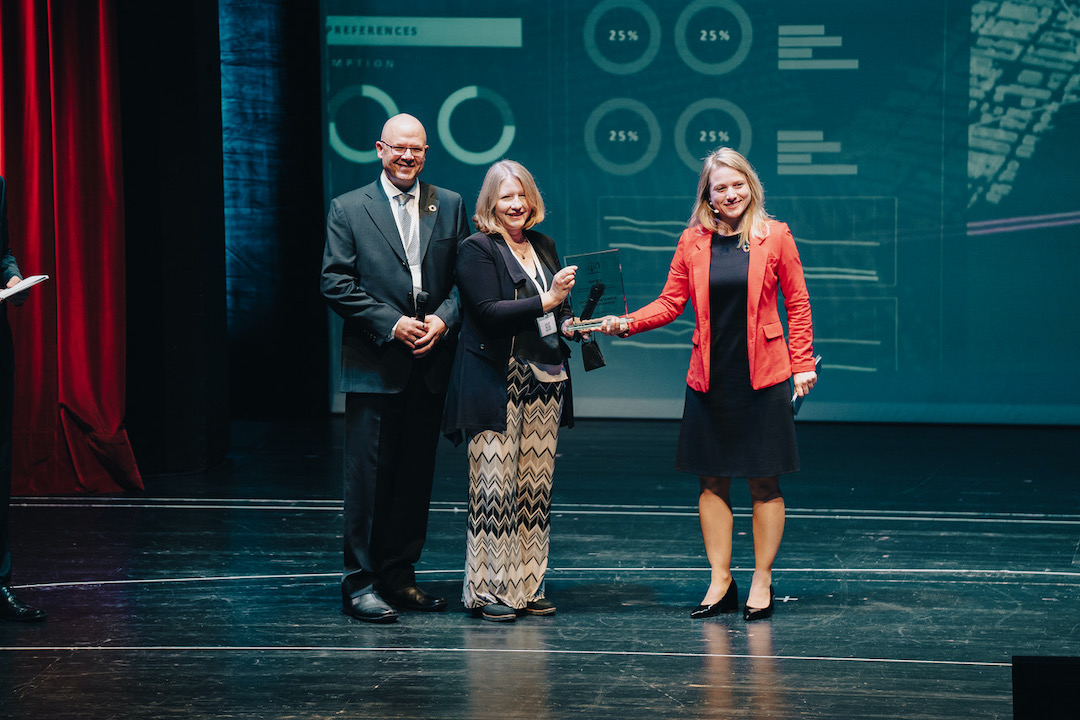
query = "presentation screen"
{"x": 922, "y": 153}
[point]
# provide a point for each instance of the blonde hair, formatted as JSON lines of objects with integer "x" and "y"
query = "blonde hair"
{"x": 754, "y": 218}
{"x": 484, "y": 218}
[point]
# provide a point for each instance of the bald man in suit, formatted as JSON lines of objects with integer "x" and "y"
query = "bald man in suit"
{"x": 389, "y": 246}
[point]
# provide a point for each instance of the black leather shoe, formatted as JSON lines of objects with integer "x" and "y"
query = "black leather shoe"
{"x": 413, "y": 598}
{"x": 750, "y": 614}
{"x": 728, "y": 604}
{"x": 540, "y": 607}
{"x": 12, "y": 608}
{"x": 495, "y": 613}
{"x": 369, "y": 607}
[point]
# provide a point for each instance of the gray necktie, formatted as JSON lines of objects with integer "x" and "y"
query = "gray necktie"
{"x": 410, "y": 238}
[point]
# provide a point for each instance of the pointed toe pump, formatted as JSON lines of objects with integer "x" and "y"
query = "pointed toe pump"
{"x": 727, "y": 604}
{"x": 750, "y": 614}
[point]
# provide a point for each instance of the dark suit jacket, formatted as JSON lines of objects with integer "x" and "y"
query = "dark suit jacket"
{"x": 8, "y": 267}
{"x": 366, "y": 280}
{"x": 489, "y": 280}
{"x": 8, "y": 270}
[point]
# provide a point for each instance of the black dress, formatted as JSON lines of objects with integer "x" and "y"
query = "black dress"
{"x": 734, "y": 430}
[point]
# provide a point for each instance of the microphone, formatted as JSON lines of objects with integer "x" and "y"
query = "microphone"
{"x": 595, "y": 293}
{"x": 421, "y": 306}
{"x": 591, "y": 357}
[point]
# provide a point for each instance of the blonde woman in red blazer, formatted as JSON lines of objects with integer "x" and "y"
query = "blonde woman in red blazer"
{"x": 730, "y": 263}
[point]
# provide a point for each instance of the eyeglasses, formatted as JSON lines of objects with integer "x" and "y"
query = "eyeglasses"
{"x": 400, "y": 150}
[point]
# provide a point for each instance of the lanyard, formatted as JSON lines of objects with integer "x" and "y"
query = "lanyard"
{"x": 536, "y": 270}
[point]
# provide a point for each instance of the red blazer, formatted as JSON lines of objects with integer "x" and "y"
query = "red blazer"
{"x": 774, "y": 265}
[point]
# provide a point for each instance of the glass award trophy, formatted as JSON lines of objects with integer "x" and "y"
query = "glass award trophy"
{"x": 599, "y": 280}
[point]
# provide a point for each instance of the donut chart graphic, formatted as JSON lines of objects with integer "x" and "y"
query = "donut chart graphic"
{"x": 343, "y": 96}
{"x": 652, "y": 42}
{"x": 731, "y": 129}
{"x": 594, "y": 131}
{"x": 496, "y": 151}
{"x": 713, "y": 34}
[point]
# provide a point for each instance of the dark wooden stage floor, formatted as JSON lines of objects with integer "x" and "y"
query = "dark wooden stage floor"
{"x": 917, "y": 562}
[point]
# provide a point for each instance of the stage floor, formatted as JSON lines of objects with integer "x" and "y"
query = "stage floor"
{"x": 917, "y": 561}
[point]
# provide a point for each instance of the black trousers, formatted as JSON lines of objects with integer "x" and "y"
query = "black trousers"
{"x": 7, "y": 402}
{"x": 390, "y": 443}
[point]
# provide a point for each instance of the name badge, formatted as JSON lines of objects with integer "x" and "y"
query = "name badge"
{"x": 546, "y": 325}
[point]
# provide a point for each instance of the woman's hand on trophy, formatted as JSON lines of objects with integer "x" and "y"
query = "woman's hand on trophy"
{"x": 615, "y": 325}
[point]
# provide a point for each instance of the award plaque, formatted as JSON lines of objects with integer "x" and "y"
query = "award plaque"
{"x": 599, "y": 281}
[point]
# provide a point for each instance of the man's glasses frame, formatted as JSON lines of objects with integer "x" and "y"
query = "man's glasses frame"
{"x": 401, "y": 150}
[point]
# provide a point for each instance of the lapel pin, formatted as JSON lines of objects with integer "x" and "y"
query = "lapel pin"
{"x": 431, "y": 208}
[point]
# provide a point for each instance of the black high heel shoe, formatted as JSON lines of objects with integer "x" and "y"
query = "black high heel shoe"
{"x": 750, "y": 614}
{"x": 728, "y": 604}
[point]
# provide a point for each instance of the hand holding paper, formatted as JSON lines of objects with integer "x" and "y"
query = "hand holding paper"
{"x": 22, "y": 286}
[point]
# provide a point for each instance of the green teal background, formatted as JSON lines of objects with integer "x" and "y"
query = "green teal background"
{"x": 922, "y": 161}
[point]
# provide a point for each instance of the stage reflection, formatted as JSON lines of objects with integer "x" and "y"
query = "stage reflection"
{"x": 504, "y": 676}
{"x": 741, "y": 677}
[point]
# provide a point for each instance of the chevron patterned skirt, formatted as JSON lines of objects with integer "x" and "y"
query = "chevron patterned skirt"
{"x": 510, "y": 495}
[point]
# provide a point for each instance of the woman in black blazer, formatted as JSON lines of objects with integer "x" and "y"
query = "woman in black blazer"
{"x": 509, "y": 393}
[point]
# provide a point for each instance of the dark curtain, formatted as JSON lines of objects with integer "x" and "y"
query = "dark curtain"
{"x": 170, "y": 103}
{"x": 60, "y": 153}
{"x": 275, "y": 218}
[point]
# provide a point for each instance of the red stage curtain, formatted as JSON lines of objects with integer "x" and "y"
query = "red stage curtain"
{"x": 60, "y": 154}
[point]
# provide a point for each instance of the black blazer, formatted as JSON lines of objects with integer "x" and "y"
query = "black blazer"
{"x": 489, "y": 278}
{"x": 8, "y": 269}
{"x": 366, "y": 280}
{"x": 8, "y": 266}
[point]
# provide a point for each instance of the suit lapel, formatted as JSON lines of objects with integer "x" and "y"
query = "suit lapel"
{"x": 755, "y": 276}
{"x": 428, "y": 211}
{"x": 546, "y": 255}
{"x": 378, "y": 209}
{"x": 700, "y": 258}
{"x": 755, "y": 281}
{"x": 513, "y": 267}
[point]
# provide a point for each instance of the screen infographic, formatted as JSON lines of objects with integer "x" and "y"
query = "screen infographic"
{"x": 915, "y": 150}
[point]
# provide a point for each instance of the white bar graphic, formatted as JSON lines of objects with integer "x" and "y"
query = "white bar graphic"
{"x": 818, "y": 65}
{"x": 799, "y": 135}
{"x": 797, "y": 150}
{"x": 817, "y": 169}
{"x": 354, "y": 30}
{"x": 796, "y": 45}
{"x": 808, "y": 147}
{"x": 811, "y": 42}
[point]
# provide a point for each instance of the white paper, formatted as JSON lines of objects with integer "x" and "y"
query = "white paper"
{"x": 25, "y": 283}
